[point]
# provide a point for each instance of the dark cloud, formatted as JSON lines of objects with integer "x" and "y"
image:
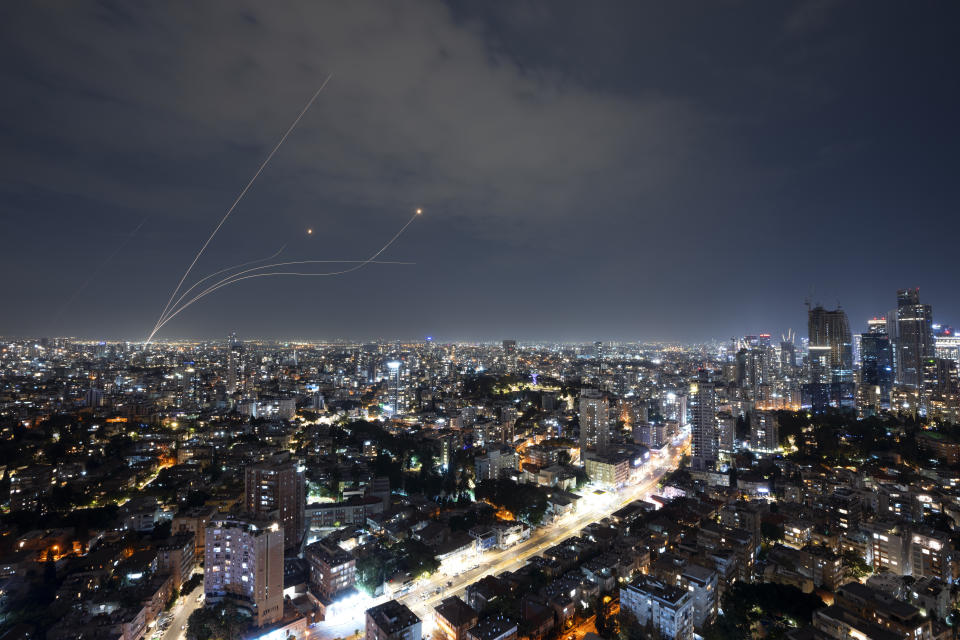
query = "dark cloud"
{"x": 618, "y": 170}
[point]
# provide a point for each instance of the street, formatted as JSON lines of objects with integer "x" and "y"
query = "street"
{"x": 181, "y": 612}
{"x": 497, "y": 561}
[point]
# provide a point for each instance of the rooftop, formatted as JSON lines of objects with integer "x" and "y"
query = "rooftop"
{"x": 392, "y": 616}
{"x": 456, "y": 611}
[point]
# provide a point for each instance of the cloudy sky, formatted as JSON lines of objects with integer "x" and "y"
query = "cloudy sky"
{"x": 600, "y": 170}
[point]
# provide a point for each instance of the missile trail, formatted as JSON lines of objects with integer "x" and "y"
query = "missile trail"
{"x": 250, "y": 273}
{"x": 256, "y": 175}
{"x": 216, "y": 273}
{"x": 360, "y": 264}
{"x": 211, "y": 289}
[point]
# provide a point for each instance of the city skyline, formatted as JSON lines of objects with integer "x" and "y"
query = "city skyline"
{"x": 853, "y": 328}
{"x": 398, "y": 491}
{"x": 511, "y": 320}
{"x": 694, "y": 193}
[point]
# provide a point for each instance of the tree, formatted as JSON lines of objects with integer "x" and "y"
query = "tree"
{"x": 744, "y": 603}
{"x": 630, "y": 627}
{"x": 606, "y": 622}
{"x": 217, "y": 622}
{"x": 201, "y": 624}
{"x": 173, "y": 599}
{"x": 854, "y": 566}
{"x": 371, "y": 573}
{"x": 526, "y": 502}
{"x": 418, "y": 557}
{"x": 232, "y": 621}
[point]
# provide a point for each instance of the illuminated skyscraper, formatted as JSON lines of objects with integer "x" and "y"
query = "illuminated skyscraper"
{"x": 764, "y": 431}
{"x": 876, "y": 368}
{"x": 235, "y": 367}
{"x": 788, "y": 358}
{"x": 726, "y": 435}
{"x": 510, "y": 355}
{"x": 941, "y": 389}
{"x": 394, "y": 393}
{"x": 594, "y": 421}
{"x": 914, "y": 341}
{"x": 947, "y": 345}
{"x": 757, "y": 363}
{"x": 704, "y": 423}
{"x": 831, "y": 346}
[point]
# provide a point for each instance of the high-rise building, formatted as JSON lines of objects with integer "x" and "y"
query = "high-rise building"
{"x": 788, "y": 358}
{"x": 889, "y": 547}
{"x": 276, "y": 490}
{"x": 914, "y": 340}
{"x": 510, "y": 355}
{"x": 932, "y": 554}
{"x": 831, "y": 346}
{"x": 941, "y": 389}
{"x": 829, "y": 360}
{"x": 395, "y": 395}
{"x": 876, "y": 368}
{"x": 764, "y": 431}
{"x": 235, "y": 364}
{"x": 947, "y": 345}
{"x": 704, "y": 423}
{"x": 673, "y": 406}
{"x": 508, "y": 423}
{"x": 594, "y": 421}
{"x": 244, "y": 562}
{"x": 726, "y": 435}
{"x": 759, "y": 362}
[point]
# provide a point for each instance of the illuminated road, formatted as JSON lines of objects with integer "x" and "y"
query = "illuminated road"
{"x": 582, "y": 629}
{"x": 427, "y": 593}
{"x": 182, "y": 610}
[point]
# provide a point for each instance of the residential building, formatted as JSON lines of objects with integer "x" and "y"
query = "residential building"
{"x": 705, "y": 430}
{"x": 332, "y": 570}
{"x": 665, "y": 608}
{"x": 454, "y": 618}
{"x": 244, "y": 563}
{"x": 392, "y": 620}
{"x": 276, "y": 490}
{"x": 594, "y": 421}
{"x": 496, "y": 627}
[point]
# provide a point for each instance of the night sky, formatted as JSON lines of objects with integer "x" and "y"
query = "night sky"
{"x": 587, "y": 170}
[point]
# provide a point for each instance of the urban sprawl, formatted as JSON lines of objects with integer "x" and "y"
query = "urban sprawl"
{"x": 799, "y": 487}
